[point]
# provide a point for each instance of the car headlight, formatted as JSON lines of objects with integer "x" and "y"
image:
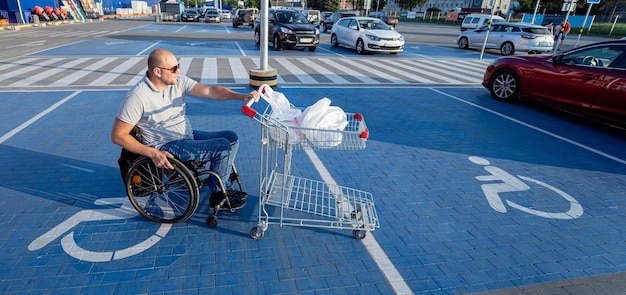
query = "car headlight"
{"x": 401, "y": 38}
{"x": 317, "y": 31}
{"x": 286, "y": 30}
{"x": 372, "y": 37}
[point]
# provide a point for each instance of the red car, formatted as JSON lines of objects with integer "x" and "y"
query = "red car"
{"x": 588, "y": 80}
{"x": 390, "y": 20}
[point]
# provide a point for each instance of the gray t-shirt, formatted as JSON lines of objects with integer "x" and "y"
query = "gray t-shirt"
{"x": 160, "y": 115}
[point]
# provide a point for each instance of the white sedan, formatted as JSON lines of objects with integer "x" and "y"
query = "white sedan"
{"x": 509, "y": 38}
{"x": 366, "y": 35}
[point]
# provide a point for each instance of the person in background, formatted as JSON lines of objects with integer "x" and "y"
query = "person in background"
{"x": 550, "y": 27}
{"x": 562, "y": 32}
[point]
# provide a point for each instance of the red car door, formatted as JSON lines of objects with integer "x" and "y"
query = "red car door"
{"x": 572, "y": 84}
{"x": 610, "y": 97}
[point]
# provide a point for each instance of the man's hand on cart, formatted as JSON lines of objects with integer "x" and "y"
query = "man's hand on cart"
{"x": 251, "y": 97}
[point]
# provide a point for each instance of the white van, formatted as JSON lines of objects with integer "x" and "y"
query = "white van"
{"x": 475, "y": 21}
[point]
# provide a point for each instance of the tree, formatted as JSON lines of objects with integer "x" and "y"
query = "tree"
{"x": 410, "y": 4}
{"x": 330, "y": 5}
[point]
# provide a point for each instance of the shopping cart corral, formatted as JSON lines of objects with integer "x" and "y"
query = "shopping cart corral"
{"x": 285, "y": 199}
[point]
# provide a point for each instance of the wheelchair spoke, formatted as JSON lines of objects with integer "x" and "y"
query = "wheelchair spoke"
{"x": 162, "y": 195}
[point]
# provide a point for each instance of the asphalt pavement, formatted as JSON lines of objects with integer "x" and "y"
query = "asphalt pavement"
{"x": 473, "y": 195}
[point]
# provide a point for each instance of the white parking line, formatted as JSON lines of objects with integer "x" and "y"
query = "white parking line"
{"x": 377, "y": 253}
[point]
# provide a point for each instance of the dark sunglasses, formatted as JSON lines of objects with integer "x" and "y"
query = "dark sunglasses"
{"x": 172, "y": 70}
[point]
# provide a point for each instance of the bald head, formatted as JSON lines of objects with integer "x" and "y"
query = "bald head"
{"x": 159, "y": 57}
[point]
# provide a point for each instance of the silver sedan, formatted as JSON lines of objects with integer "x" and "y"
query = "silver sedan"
{"x": 509, "y": 38}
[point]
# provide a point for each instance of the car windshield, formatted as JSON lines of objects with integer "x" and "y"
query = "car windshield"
{"x": 373, "y": 24}
{"x": 190, "y": 12}
{"x": 290, "y": 17}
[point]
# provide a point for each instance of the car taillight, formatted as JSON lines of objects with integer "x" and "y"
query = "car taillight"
{"x": 529, "y": 36}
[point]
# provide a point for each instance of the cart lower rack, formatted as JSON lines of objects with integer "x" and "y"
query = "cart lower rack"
{"x": 285, "y": 199}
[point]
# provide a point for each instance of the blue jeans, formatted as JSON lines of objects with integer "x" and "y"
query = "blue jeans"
{"x": 218, "y": 149}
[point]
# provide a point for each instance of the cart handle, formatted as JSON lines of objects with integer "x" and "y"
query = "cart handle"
{"x": 247, "y": 109}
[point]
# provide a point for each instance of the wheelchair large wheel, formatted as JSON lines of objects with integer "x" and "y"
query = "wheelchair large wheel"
{"x": 162, "y": 195}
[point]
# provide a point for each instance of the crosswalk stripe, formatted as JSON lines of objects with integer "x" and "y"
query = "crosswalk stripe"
{"x": 209, "y": 71}
{"x": 10, "y": 74}
{"x": 138, "y": 76}
{"x": 349, "y": 71}
{"x": 43, "y": 75}
{"x": 9, "y": 65}
{"x": 443, "y": 73}
{"x": 185, "y": 64}
{"x": 382, "y": 69}
{"x": 68, "y": 80}
{"x": 240, "y": 73}
{"x": 468, "y": 70}
{"x": 293, "y": 69}
{"x": 117, "y": 71}
{"x": 127, "y": 71}
{"x": 325, "y": 71}
{"x": 422, "y": 76}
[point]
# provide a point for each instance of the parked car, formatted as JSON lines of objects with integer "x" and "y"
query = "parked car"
{"x": 191, "y": 15}
{"x": 313, "y": 16}
{"x": 245, "y": 17}
{"x": 588, "y": 80}
{"x": 366, "y": 35}
{"x": 212, "y": 16}
{"x": 509, "y": 38}
{"x": 288, "y": 28}
{"x": 226, "y": 14}
{"x": 390, "y": 20}
{"x": 324, "y": 15}
{"x": 328, "y": 22}
{"x": 475, "y": 21}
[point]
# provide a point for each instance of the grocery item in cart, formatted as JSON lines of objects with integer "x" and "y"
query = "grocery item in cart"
{"x": 320, "y": 117}
{"x": 282, "y": 111}
{"x": 315, "y": 124}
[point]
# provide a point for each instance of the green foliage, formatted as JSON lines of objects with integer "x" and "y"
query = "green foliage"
{"x": 330, "y": 5}
{"x": 253, "y": 3}
{"x": 410, "y": 4}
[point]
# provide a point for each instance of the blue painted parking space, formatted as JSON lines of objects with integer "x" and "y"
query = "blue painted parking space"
{"x": 482, "y": 196}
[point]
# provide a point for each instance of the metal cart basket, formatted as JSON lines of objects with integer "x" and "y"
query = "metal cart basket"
{"x": 285, "y": 199}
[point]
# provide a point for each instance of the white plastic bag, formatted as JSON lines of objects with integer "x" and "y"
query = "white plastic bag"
{"x": 328, "y": 122}
{"x": 284, "y": 112}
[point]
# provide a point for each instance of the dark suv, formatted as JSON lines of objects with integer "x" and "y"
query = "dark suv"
{"x": 288, "y": 28}
{"x": 330, "y": 21}
{"x": 245, "y": 17}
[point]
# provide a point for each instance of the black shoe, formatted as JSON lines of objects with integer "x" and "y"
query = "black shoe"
{"x": 235, "y": 204}
{"x": 233, "y": 194}
{"x": 235, "y": 197}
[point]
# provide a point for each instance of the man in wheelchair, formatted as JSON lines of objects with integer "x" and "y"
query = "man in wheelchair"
{"x": 156, "y": 105}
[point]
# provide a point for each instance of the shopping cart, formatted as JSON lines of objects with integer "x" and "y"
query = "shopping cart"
{"x": 285, "y": 199}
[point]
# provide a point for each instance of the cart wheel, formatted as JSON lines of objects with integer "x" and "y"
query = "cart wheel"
{"x": 211, "y": 221}
{"x": 256, "y": 233}
{"x": 359, "y": 234}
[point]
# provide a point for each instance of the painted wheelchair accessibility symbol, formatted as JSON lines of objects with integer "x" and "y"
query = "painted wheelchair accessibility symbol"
{"x": 125, "y": 211}
{"x": 509, "y": 183}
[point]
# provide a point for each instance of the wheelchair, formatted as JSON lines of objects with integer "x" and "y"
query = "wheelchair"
{"x": 170, "y": 195}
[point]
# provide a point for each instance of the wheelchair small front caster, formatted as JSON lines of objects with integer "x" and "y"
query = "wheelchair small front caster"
{"x": 211, "y": 221}
{"x": 359, "y": 234}
{"x": 256, "y": 233}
